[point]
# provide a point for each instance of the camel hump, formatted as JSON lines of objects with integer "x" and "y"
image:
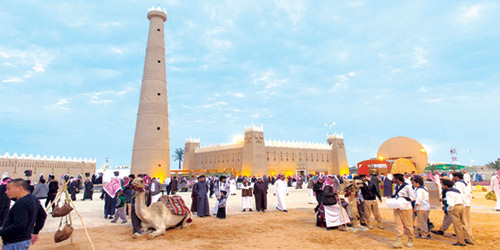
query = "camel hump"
{"x": 175, "y": 204}
{"x": 163, "y": 199}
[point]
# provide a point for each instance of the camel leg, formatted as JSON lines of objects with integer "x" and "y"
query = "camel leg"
{"x": 144, "y": 232}
{"x": 185, "y": 223}
{"x": 158, "y": 231}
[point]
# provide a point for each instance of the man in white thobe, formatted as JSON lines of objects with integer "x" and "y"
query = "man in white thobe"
{"x": 495, "y": 186}
{"x": 281, "y": 191}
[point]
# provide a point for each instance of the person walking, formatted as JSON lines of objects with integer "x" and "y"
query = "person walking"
{"x": 25, "y": 219}
{"x": 281, "y": 191}
{"x": 120, "y": 208}
{"x": 310, "y": 192}
{"x": 370, "y": 194}
{"x": 403, "y": 216}
{"x": 495, "y": 186}
{"x": 455, "y": 206}
{"x": 422, "y": 208}
{"x": 53, "y": 188}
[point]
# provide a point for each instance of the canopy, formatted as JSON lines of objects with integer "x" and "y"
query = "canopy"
{"x": 445, "y": 167}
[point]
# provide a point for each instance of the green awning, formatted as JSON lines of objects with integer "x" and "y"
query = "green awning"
{"x": 445, "y": 167}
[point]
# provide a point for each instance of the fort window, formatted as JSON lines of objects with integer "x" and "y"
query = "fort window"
{"x": 157, "y": 29}
{"x": 159, "y": 94}
{"x": 159, "y": 61}
{"x": 157, "y": 128}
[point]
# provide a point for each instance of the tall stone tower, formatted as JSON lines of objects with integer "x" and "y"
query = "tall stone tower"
{"x": 151, "y": 153}
{"x": 339, "y": 158}
{"x": 254, "y": 160}
{"x": 189, "y": 156}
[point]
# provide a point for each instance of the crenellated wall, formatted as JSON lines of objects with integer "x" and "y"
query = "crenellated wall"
{"x": 15, "y": 165}
{"x": 257, "y": 156}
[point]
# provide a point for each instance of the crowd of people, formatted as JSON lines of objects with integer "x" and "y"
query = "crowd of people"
{"x": 409, "y": 199}
{"x": 343, "y": 202}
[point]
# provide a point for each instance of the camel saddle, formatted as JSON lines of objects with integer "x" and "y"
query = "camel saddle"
{"x": 175, "y": 204}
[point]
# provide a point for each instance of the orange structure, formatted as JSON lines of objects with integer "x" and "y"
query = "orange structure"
{"x": 406, "y": 148}
{"x": 377, "y": 166}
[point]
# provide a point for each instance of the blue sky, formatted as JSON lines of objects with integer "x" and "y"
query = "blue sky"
{"x": 70, "y": 74}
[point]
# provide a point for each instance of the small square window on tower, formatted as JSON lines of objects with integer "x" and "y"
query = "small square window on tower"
{"x": 158, "y": 128}
{"x": 159, "y": 94}
{"x": 159, "y": 61}
{"x": 159, "y": 165}
{"x": 157, "y": 29}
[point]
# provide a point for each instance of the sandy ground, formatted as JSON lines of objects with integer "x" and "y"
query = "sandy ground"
{"x": 273, "y": 229}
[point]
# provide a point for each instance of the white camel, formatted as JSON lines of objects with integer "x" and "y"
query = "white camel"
{"x": 156, "y": 218}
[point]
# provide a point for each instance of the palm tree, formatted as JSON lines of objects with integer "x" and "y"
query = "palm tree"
{"x": 179, "y": 155}
{"x": 494, "y": 164}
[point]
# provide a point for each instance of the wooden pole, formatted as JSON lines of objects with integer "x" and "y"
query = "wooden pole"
{"x": 84, "y": 227}
{"x": 68, "y": 200}
{"x": 55, "y": 199}
{"x": 64, "y": 190}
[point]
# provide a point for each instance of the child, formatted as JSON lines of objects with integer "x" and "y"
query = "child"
{"x": 422, "y": 208}
{"x": 221, "y": 212}
{"x": 120, "y": 205}
{"x": 455, "y": 206}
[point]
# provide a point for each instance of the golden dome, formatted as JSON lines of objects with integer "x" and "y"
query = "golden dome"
{"x": 404, "y": 147}
{"x": 402, "y": 165}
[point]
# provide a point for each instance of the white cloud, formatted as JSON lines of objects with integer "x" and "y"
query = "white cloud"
{"x": 268, "y": 79}
{"x": 117, "y": 51}
{"x": 102, "y": 97}
{"x": 435, "y": 100}
{"x": 294, "y": 9}
{"x": 211, "y": 105}
{"x": 26, "y": 63}
{"x": 238, "y": 95}
{"x": 423, "y": 89}
{"x": 342, "y": 81}
{"x": 215, "y": 31}
{"x": 214, "y": 42}
{"x": 419, "y": 57}
{"x": 60, "y": 104}
{"x": 470, "y": 13}
{"x": 13, "y": 80}
{"x": 100, "y": 101}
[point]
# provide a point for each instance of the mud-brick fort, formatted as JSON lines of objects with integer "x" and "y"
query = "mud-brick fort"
{"x": 257, "y": 156}
{"x": 16, "y": 165}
